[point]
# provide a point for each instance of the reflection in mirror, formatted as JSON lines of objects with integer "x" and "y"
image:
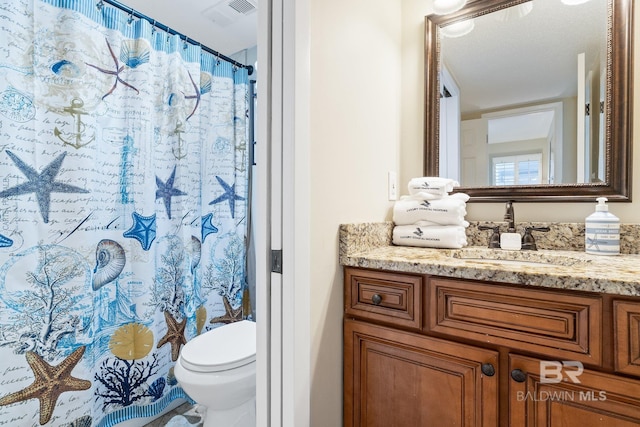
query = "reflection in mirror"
{"x": 530, "y": 97}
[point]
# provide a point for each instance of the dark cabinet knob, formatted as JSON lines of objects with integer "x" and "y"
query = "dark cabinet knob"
{"x": 488, "y": 369}
{"x": 376, "y": 299}
{"x": 518, "y": 376}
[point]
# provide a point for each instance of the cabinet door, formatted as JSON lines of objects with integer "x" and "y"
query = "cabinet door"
{"x": 402, "y": 379}
{"x": 626, "y": 317}
{"x": 569, "y": 397}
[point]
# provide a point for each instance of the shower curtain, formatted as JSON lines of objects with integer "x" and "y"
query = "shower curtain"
{"x": 123, "y": 179}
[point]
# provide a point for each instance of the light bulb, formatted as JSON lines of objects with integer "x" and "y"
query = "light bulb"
{"x": 458, "y": 29}
{"x": 444, "y": 7}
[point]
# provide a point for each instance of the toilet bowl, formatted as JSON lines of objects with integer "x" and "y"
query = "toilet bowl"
{"x": 218, "y": 370}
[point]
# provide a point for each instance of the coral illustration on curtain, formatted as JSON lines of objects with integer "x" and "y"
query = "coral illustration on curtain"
{"x": 123, "y": 179}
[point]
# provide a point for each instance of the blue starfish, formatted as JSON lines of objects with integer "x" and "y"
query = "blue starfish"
{"x": 42, "y": 184}
{"x": 143, "y": 230}
{"x": 229, "y": 194}
{"x": 207, "y": 226}
{"x": 5, "y": 242}
{"x": 166, "y": 191}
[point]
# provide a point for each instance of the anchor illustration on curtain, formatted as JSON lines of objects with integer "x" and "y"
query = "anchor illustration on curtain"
{"x": 122, "y": 210}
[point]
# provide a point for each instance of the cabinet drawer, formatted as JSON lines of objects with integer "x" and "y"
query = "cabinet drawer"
{"x": 626, "y": 318}
{"x": 388, "y": 297}
{"x": 559, "y": 325}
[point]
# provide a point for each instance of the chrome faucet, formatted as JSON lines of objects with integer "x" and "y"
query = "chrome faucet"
{"x": 509, "y": 216}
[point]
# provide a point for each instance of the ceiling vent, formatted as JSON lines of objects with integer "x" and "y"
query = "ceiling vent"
{"x": 227, "y": 12}
{"x": 242, "y": 6}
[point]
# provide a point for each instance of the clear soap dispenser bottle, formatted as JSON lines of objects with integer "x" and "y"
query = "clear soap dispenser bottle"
{"x": 602, "y": 231}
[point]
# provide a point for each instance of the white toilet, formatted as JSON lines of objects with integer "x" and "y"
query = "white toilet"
{"x": 218, "y": 370}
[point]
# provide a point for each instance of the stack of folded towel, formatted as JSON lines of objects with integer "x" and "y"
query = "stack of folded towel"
{"x": 430, "y": 216}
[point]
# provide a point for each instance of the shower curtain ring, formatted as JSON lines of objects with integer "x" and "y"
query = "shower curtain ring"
{"x": 184, "y": 43}
{"x": 99, "y": 5}
{"x": 131, "y": 17}
{"x": 153, "y": 27}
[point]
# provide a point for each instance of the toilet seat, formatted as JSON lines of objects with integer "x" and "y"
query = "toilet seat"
{"x": 221, "y": 349}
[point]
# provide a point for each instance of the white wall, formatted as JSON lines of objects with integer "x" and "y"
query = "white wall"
{"x": 355, "y": 135}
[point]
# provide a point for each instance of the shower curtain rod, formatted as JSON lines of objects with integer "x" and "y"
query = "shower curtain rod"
{"x": 169, "y": 30}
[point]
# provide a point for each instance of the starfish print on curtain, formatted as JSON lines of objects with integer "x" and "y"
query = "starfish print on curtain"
{"x": 197, "y": 97}
{"x": 42, "y": 184}
{"x": 207, "y": 226}
{"x": 133, "y": 236}
{"x": 166, "y": 191}
{"x": 50, "y": 382}
{"x": 116, "y": 73}
{"x": 174, "y": 335}
{"x": 143, "y": 230}
{"x": 231, "y": 314}
{"x": 229, "y": 194}
{"x": 5, "y": 242}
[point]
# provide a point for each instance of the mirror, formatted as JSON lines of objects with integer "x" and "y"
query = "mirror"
{"x": 504, "y": 82}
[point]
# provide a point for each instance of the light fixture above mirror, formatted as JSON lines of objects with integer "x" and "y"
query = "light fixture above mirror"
{"x": 445, "y": 7}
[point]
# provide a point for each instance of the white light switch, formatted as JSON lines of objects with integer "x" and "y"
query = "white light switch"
{"x": 393, "y": 186}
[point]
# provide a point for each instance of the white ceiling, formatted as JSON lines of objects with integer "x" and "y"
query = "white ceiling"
{"x": 193, "y": 19}
{"x": 529, "y": 58}
{"x": 522, "y": 127}
{"x": 539, "y": 49}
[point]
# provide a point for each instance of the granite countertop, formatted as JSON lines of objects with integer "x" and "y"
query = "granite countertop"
{"x": 368, "y": 246}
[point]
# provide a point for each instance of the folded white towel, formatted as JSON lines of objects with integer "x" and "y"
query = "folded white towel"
{"x": 464, "y": 224}
{"x": 437, "y": 236}
{"x": 445, "y": 211}
{"x": 432, "y": 185}
{"x": 428, "y": 196}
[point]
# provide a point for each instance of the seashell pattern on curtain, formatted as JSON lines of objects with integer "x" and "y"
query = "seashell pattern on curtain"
{"x": 123, "y": 180}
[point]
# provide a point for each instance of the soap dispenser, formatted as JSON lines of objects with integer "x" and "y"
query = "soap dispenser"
{"x": 602, "y": 231}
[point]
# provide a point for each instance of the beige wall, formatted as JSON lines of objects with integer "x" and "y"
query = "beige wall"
{"x": 367, "y": 103}
{"x": 355, "y": 134}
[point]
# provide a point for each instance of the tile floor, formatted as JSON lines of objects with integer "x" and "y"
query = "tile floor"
{"x": 184, "y": 415}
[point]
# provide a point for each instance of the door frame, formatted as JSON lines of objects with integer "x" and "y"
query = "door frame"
{"x": 283, "y": 210}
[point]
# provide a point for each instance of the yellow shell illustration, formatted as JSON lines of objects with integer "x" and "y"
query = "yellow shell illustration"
{"x": 201, "y": 318}
{"x": 131, "y": 341}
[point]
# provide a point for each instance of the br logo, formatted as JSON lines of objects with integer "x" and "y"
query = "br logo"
{"x": 553, "y": 372}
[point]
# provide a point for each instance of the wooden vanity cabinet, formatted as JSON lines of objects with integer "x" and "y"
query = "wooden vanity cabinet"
{"x": 433, "y": 351}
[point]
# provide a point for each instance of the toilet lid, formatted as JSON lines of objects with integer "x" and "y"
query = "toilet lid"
{"x": 220, "y": 349}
